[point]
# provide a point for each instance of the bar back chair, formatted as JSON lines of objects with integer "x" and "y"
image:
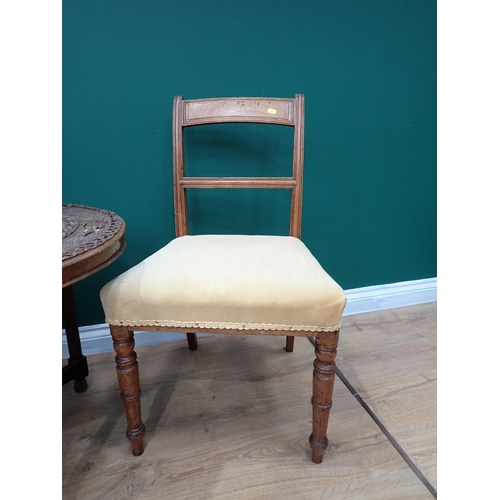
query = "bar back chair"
{"x": 231, "y": 284}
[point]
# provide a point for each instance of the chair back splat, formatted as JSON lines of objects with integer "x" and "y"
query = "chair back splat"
{"x": 230, "y": 284}
{"x": 284, "y": 112}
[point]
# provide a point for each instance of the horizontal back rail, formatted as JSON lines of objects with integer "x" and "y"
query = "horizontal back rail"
{"x": 233, "y": 109}
{"x": 238, "y": 182}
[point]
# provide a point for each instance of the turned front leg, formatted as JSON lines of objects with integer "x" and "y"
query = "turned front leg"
{"x": 323, "y": 378}
{"x": 127, "y": 370}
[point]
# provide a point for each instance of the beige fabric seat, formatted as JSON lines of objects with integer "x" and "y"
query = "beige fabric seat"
{"x": 233, "y": 282}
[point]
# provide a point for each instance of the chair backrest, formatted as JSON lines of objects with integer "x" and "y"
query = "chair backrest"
{"x": 286, "y": 112}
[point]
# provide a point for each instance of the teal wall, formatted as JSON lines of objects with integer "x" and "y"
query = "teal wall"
{"x": 368, "y": 73}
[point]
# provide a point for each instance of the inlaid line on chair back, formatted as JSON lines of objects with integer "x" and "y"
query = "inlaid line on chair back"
{"x": 286, "y": 112}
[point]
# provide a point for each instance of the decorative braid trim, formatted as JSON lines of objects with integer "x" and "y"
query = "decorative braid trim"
{"x": 209, "y": 325}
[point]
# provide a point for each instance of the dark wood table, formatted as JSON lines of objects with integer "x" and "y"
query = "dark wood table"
{"x": 92, "y": 239}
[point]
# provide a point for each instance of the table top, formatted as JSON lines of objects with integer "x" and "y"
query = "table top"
{"x": 92, "y": 238}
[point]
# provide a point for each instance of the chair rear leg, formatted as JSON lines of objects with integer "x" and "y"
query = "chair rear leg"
{"x": 289, "y": 344}
{"x": 192, "y": 341}
{"x": 323, "y": 378}
{"x": 127, "y": 371}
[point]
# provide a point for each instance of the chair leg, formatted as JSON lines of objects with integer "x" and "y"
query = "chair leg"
{"x": 323, "y": 378}
{"x": 289, "y": 344}
{"x": 127, "y": 371}
{"x": 192, "y": 341}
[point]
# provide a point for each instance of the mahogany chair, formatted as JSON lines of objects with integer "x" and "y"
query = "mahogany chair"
{"x": 231, "y": 284}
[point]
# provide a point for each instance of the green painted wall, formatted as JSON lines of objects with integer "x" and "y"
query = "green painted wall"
{"x": 368, "y": 72}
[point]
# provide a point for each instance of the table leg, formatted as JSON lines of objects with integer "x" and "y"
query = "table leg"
{"x": 77, "y": 368}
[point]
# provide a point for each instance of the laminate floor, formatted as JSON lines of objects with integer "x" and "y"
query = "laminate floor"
{"x": 232, "y": 419}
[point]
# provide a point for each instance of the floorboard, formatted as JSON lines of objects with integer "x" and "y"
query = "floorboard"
{"x": 389, "y": 357}
{"x": 232, "y": 420}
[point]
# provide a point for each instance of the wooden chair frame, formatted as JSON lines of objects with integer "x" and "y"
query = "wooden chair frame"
{"x": 288, "y": 112}
{"x": 285, "y": 112}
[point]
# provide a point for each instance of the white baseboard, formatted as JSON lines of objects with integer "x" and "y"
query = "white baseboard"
{"x": 96, "y": 339}
{"x": 378, "y": 297}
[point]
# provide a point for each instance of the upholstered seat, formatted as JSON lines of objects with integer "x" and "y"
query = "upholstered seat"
{"x": 233, "y": 282}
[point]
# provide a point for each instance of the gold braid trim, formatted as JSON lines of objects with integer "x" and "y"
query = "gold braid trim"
{"x": 209, "y": 325}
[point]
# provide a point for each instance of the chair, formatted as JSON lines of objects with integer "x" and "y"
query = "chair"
{"x": 231, "y": 284}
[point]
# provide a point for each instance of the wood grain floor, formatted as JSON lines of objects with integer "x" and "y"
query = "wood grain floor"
{"x": 232, "y": 419}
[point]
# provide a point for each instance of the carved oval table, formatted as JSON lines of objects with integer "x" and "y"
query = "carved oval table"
{"x": 92, "y": 239}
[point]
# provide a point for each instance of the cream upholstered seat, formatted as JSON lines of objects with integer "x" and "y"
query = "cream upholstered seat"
{"x": 231, "y": 282}
{"x": 243, "y": 284}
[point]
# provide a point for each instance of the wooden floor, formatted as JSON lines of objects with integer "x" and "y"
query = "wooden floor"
{"x": 232, "y": 419}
